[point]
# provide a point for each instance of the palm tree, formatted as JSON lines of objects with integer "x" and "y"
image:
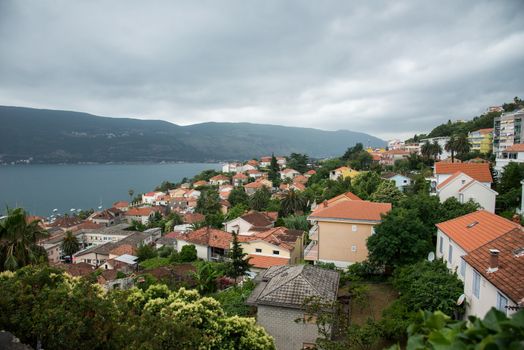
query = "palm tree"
{"x": 131, "y": 192}
{"x": 436, "y": 149}
{"x": 426, "y": 149}
{"x": 462, "y": 145}
{"x": 70, "y": 244}
{"x": 451, "y": 146}
{"x": 18, "y": 241}
{"x": 292, "y": 203}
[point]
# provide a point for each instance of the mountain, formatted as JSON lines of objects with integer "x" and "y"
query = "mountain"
{"x": 52, "y": 136}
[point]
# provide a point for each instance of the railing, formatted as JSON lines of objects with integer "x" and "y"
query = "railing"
{"x": 311, "y": 251}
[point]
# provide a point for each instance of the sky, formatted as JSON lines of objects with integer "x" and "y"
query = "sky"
{"x": 387, "y": 68}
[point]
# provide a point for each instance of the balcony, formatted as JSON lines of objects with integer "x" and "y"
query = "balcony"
{"x": 311, "y": 251}
{"x": 313, "y": 233}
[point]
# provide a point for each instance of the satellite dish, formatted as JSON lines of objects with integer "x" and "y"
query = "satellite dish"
{"x": 461, "y": 299}
{"x": 431, "y": 256}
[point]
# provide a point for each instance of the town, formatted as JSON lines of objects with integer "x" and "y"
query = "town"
{"x": 289, "y": 252}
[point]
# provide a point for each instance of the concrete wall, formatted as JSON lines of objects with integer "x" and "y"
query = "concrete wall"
{"x": 237, "y": 224}
{"x": 456, "y": 256}
{"x": 267, "y": 249}
{"x": 202, "y": 251}
{"x": 280, "y": 324}
{"x": 482, "y": 195}
{"x": 338, "y": 243}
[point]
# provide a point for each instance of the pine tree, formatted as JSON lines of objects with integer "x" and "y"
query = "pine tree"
{"x": 238, "y": 265}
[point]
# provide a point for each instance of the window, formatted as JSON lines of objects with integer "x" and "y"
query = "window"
{"x": 353, "y": 248}
{"x": 276, "y": 252}
{"x": 476, "y": 284}
{"x": 450, "y": 253}
{"x": 462, "y": 267}
{"x": 441, "y": 245}
{"x": 258, "y": 250}
{"x": 502, "y": 303}
{"x": 354, "y": 228}
{"x": 372, "y": 230}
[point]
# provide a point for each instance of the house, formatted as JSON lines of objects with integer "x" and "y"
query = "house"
{"x": 296, "y": 186}
{"x": 121, "y": 205}
{"x": 200, "y": 183}
{"x": 441, "y": 141}
{"x": 211, "y": 244}
{"x": 391, "y": 156}
{"x": 107, "y": 217}
{"x": 343, "y": 172}
{"x": 142, "y": 215}
{"x": 265, "y": 162}
{"x": 341, "y": 230}
{"x": 288, "y": 173}
{"x": 282, "y": 162}
{"x": 464, "y": 188}
{"x": 310, "y": 173}
{"x": 178, "y": 192}
{"x": 232, "y": 168}
{"x": 276, "y": 246}
{"x": 507, "y": 130}
{"x": 239, "y": 179}
{"x": 477, "y": 171}
{"x": 253, "y": 162}
{"x": 252, "y": 187}
{"x": 219, "y": 180}
{"x": 300, "y": 179}
{"x": 255, "y": 174}
{"x": 401, "y": 181}
{"x": 151, "y": 197}
{"x": 98, "y": 236}
{"x": 514, "y": 153}
{"x": 348, "y": 196}
{"x": 462, "y": 235}
{"x": 481, "y": 140}
{"x": 125, "y": 262}
{"x": 65, "y": 223}
{"x": 251, "y": 221}
{"x": 280, "y": 295}
{"x": 494, "y": 275}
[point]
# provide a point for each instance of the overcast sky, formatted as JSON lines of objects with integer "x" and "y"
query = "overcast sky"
{"x": 389, "y": 68}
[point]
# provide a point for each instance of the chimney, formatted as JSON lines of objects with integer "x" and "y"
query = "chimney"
{"x": 325, "y": 203}
{"x": 516, "y": 218}
{"x": 493, "y": 260}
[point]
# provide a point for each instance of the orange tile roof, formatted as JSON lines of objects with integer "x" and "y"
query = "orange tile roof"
{"x": 191, "y": 218}
{"x": 352, "y": 210}
{"x": 478, "y": 171}
{"x": 311, "y": 172}
{"x": 123, "y": 249}
{"x": 200, "y": 183}
{"x": 256, "y": 184}
{"x": 239, "y": 176}
{"x": 518, "y": 147}
{"x": 139, "y": 212}
{"x": 121, "y": 204}
{"x": 473, "y": 230}
{"x": 219, "y": 178}
{"x": 300, "y": 178}
{"x": 509, "y": 277}
{"x": 485, "y": 131}
{"x": 208, "y": 236}
{"x": 88, "y": 225}
{"x": 264, "y": 262}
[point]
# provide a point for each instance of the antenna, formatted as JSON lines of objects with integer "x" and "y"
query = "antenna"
{"x": 431, "y": 256}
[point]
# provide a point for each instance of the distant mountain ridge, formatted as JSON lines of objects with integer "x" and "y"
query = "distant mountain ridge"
{"x": 55, "y": 136}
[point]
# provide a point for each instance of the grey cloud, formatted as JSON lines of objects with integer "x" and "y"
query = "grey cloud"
{"x": 387, "y": 68}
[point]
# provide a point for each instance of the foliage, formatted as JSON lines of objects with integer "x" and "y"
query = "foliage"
{"x": 509, "y": 187}
{"x": 260, "y": 199}
{"x": 84, "y": 214}
{"x": 292, "y": 203}
{"x": 188, "y": 253}
{"x": 238, "y": 196}
{"x": 205, "y": 175}
{"x": 165, "y": 186}
{"x": 208, "y": 202}
{"x": 273, "y": 170}
{"x": 233, "y": 299}
{"x": 137, "y": 226}
{"x": 205, "y": 277}
{"x": 70, "y": 244}
{"x": 145, "y": 252}
{"x": 296, "y": 223}
{"x": 18, "y": 241}
{"x": 214, "y": 220}
{"x": 155, "y": 262}
{"x": 238, "y": 264}
{"x": 298, "y": 161}
{"x": 357, "y": 157}
{"x": 401, "y": 238}
{"x": 438, "y": 331}
{"x": 365, "y": 184}
{"x": 387, "y": 192}
{"x": 236, "y": 211}
{"x": 63, "y": 312}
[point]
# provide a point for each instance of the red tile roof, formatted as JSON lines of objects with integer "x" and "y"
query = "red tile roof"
{"x": 139, "y": 211}
{"x": 478, "y": 171}
{"x": 208, "y": 236}
{"x": 352, "y": 210}
{"x": 279, "y": 236}
{"x": 258, "y": 219}
{"x": 518, "y": 147}
{"x": 219, "y": 177}
{"x": 473, "y": 230}
{"x": 486, "y": 131}
{"x": 191, "y": 218}
{"x": 88, "y": 225}
{"x": 311, "y": 172}
{"x": 123, "y": 249}
{"x": 509, "y": 278}
{"x": 121, "y": 204}
{"x": 239, "y": 176}
{"x": 264, "y": 262}
{"x": 200, "y": 183}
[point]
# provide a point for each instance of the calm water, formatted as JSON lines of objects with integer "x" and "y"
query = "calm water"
{"x": 41, "y": 188}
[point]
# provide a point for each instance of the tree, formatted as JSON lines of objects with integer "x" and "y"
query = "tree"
{"x": 205, "y": 278}
{"x": 131, "y": 192}
{"x": 436, "y": 150}
{"x": 401, "y": 238}
{"x": 238, "y": 196}
{"x": 273, "y": 171}
{"x": 426, "y": 150}
{"x": 236, "y": 211}
{"x": 145, "y": 252}
{"x": 462, "y": 145}
{"x": 292, "y": 203}
{"x": 208, "y": 202}
{"x": 70, "y": 244}
{"x": 239, "y": 264}
{"x": 260, "y": 199}
{"x": 188, "y": 253}
{"x": 298, "y": 161}
{"x": 296, "y": 223}
{"x": 364, "y": 184}
{"x": 18, "y": 241}
{"x": 451, "y": 146}
{"x": 387, "y": 192}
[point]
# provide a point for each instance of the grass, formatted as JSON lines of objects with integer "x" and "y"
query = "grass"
{"x": 154, "y": 263}
{"x": 380, "y": 296}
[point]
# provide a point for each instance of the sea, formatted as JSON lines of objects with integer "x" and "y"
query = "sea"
{"x": 42, "y": 189}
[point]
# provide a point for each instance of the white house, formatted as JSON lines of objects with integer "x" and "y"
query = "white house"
{"x": 211, "y": 244}
{"x": 464, "y": 188}
{"x": 513, "y": 153}
{"x": 232, "y": 168}
{"x": 494, "y": 275}
{"x": 477, "y": 171}
{"x": 151, "y": 197}
{"x": 219, "y": 180}
{"x": 460, "y": 236}
{"x": 401, "y": 181}
{"x": 288, "y": 173}
{"x": 142, "y": 215}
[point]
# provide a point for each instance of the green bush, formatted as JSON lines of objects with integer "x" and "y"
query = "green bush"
{"x": 154, "y": 263}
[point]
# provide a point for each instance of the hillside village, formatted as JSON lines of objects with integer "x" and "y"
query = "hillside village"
{"x": 351, "y": 247}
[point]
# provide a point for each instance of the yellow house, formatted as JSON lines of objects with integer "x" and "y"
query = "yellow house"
{"x": 274, "y": 247}
{"x": 343, "y": 172}
{"x": 481, "y": 140}
{"x": 341, "y": 230}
